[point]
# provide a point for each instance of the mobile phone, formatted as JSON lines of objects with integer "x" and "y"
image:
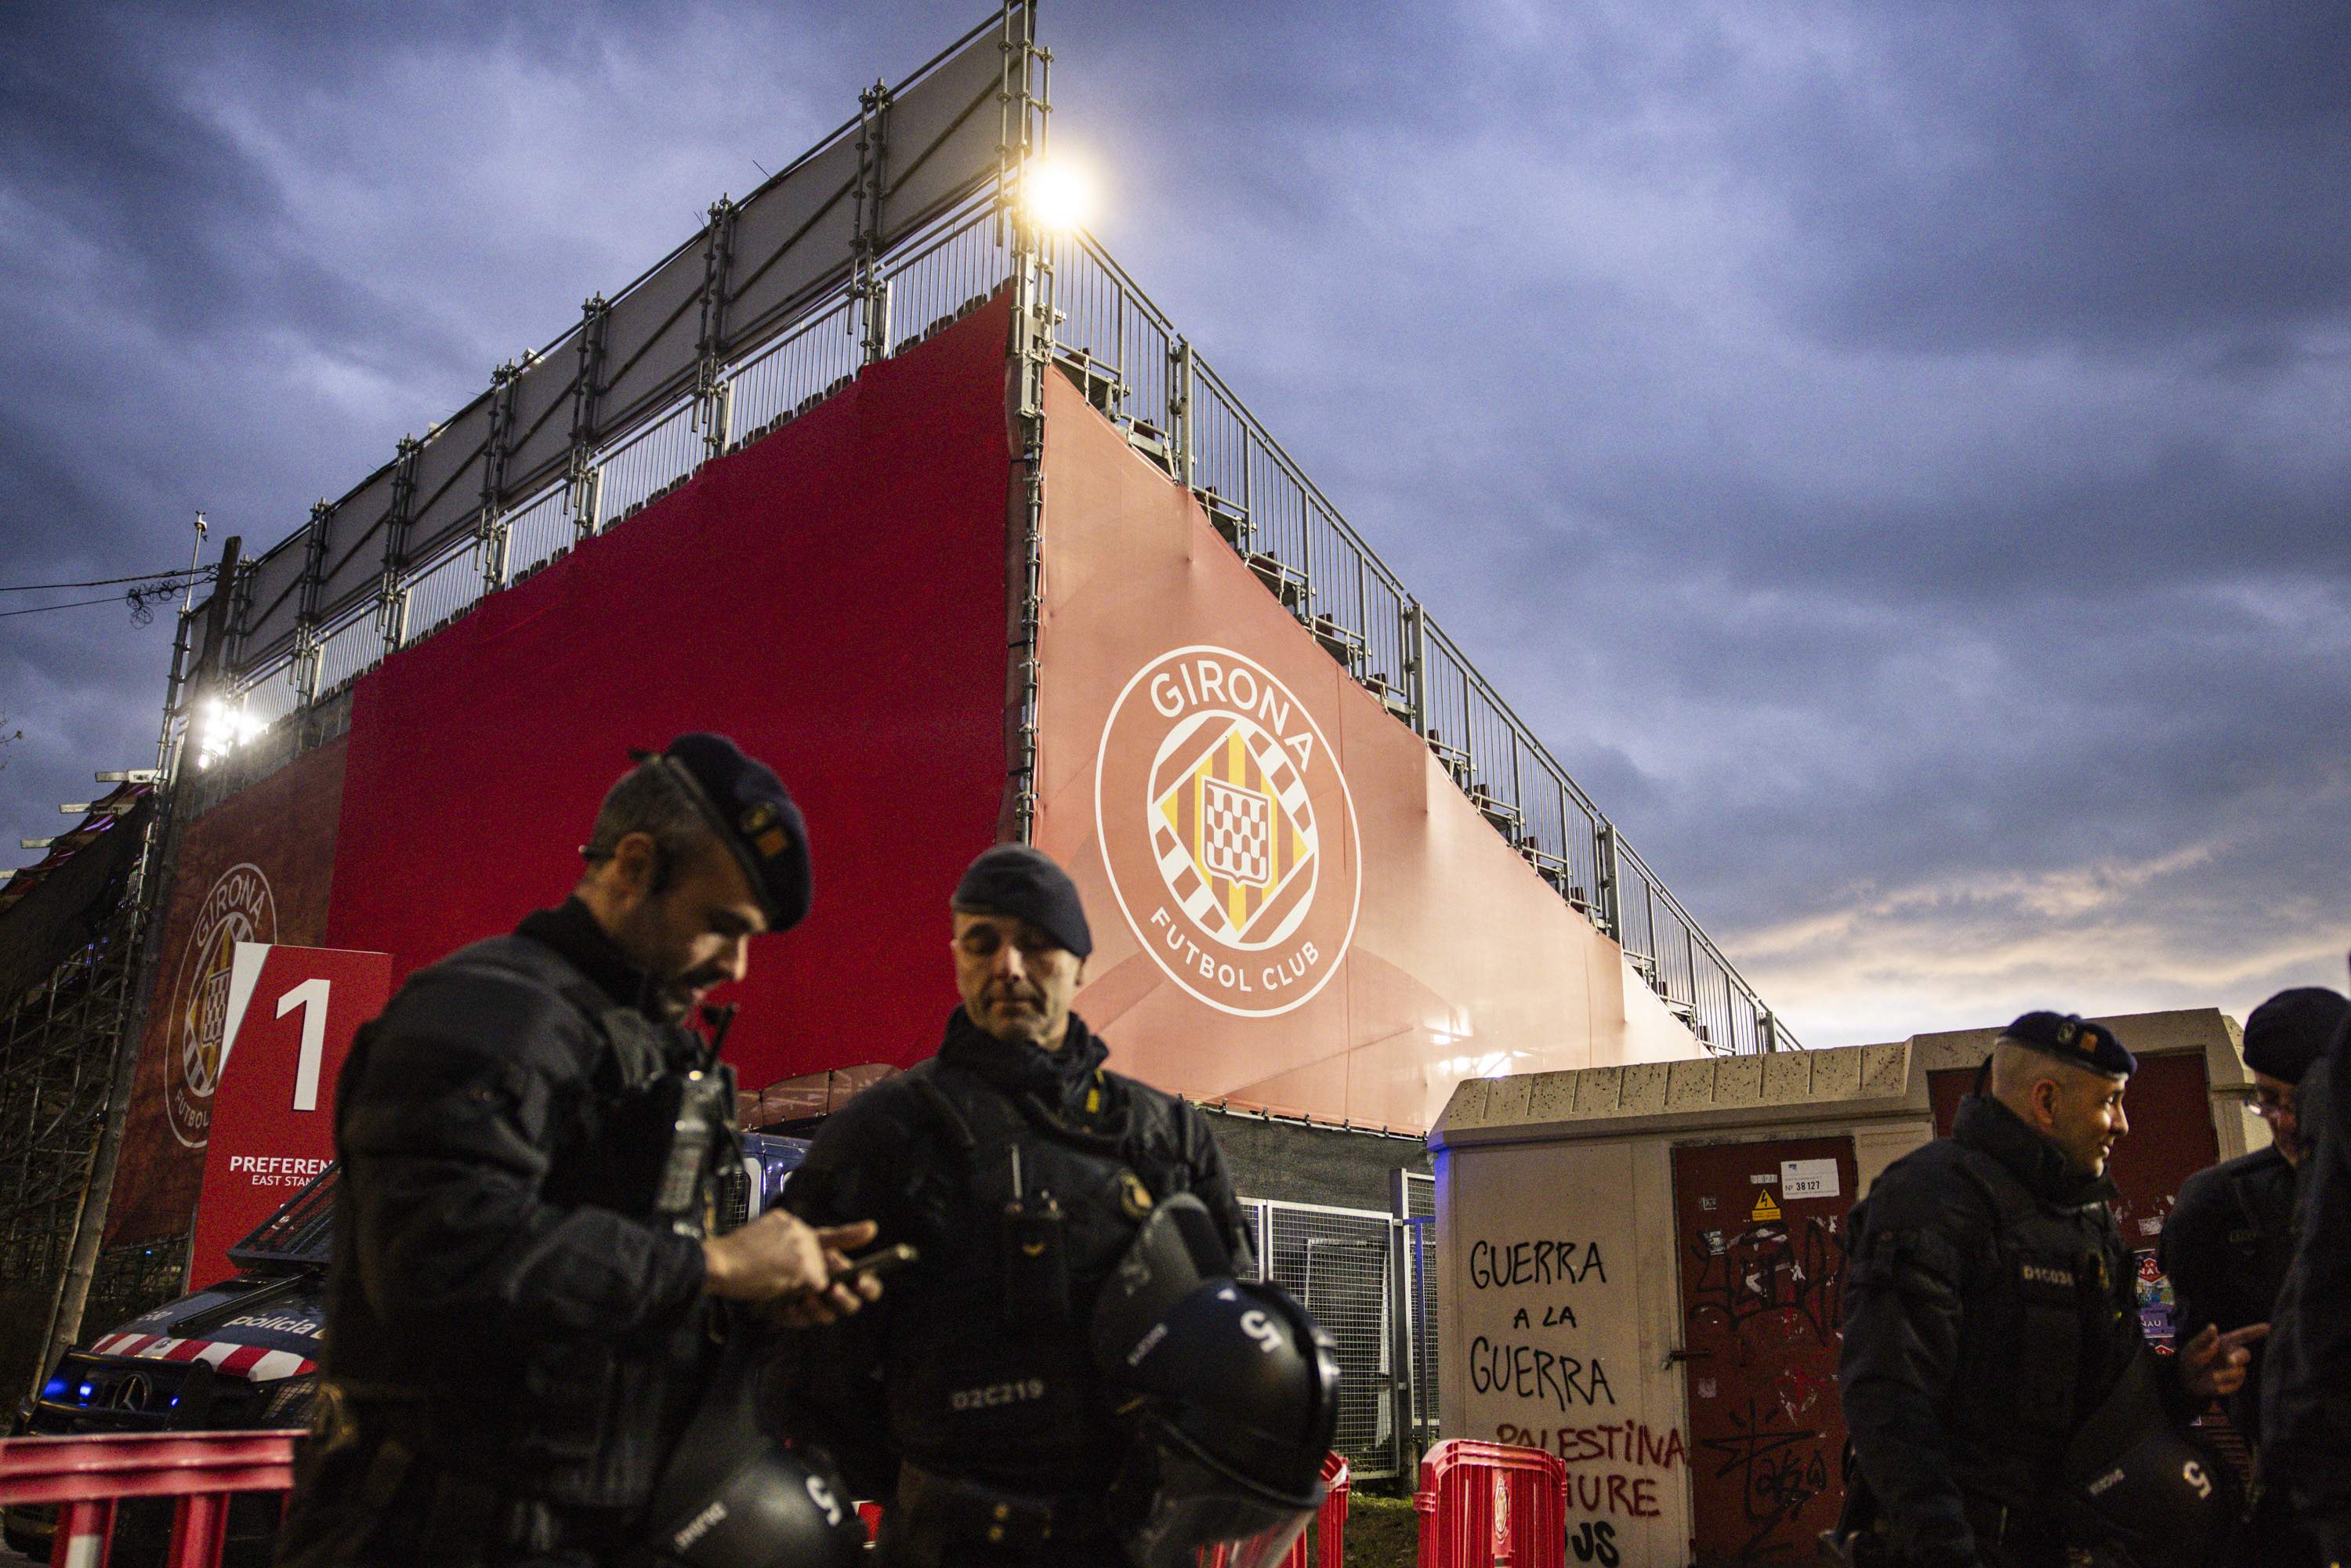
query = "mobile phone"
{"x": 879, "y": 1261}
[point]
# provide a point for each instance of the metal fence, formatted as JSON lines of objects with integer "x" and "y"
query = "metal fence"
{"x": 1416, "y": 1248}
{"x": 1364, "y": 1275}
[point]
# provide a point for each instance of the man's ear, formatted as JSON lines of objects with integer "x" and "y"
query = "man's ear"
{"x": 2048, "y": 1098}
{"x": 636, "y": 865}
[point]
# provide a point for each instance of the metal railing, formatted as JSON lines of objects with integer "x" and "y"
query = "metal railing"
{"x": 1140, "y": 371}
{"x": 818, "y": 354}
{"x": 1369, "y": 1279}
{"x": 935, "y": 277}
{"x": 1179, "y": 411}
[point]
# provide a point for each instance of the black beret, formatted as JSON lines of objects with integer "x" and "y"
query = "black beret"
{"x": 2291, "y": 1030}
{"x": 754, "y": 817}
{"x": 1024, "y": 883}
{"x": 2072, "y": 1038}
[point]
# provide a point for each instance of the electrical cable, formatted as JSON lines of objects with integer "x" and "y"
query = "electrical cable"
{"x": 69, "y": 604}
{"x": 200, "y": 575}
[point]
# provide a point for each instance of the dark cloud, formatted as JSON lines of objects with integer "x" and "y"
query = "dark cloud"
{"x": 1896, "y": 456}
{"x": 2099, "y": 175}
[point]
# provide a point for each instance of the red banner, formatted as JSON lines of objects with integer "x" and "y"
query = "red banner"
{"x": 252, "y": 868}
{"x": 291, "y": 1014}
{"x": 833, "y": 597}
{"x": 1292, "y": 904}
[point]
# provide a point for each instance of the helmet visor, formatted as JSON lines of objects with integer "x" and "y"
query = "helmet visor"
{"x": 1217, "y": 1533}
{"x": 1203, "y": 1517}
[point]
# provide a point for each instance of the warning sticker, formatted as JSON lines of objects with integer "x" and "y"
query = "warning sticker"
{"x": 1764, "y": 1208}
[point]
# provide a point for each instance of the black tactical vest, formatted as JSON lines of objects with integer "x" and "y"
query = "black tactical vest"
{"x": 2047, "y": 1328}
{"x": 573, "y": 1421}
{"x": 1025, "y": 1215}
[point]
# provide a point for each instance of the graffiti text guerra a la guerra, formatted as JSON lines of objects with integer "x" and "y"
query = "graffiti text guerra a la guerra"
{"x": 1562, "y": 1262}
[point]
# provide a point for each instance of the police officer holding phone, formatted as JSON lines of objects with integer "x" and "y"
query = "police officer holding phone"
{"x": 2228, "y": 1238}
{"x": 520, "y": 1315}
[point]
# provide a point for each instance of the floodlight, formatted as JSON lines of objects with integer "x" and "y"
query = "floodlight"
{"x": 1057, "y": 194}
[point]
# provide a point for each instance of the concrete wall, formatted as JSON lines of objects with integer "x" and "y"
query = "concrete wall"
{"x": 1558, "y": 1284}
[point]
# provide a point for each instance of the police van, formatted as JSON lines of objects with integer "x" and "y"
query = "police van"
{"x": 244, "y": 1353}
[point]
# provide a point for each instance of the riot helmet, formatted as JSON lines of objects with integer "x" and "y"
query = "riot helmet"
{"x": 1232, "y": 1390}
{"x": 733, "y": 1497}
{"x": 2142, "y": 1490}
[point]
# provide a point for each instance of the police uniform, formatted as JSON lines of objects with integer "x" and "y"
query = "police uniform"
{"x": 2225, "y": 1248}
{"x": 1989, "y": 1307}
{"x": 2307, "y": 1376}
{"x": 2229, "y": 1236}
{"x": 968, "y": 1396}
{"x": 516, "y": 1326}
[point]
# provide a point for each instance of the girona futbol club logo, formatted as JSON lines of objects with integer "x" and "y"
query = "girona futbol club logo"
{"x": 238, "y": 908}
{"x": 1227, "y": 830}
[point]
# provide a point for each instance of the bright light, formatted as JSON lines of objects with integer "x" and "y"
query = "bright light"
{"x": 1058, "y": 194}
{"x": 222, "y": 729}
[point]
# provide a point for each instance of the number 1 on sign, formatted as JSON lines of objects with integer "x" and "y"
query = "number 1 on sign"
{"x": 311, "y": 996}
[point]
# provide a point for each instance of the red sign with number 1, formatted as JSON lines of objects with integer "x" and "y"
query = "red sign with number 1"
{"x": 289, "y": 1016}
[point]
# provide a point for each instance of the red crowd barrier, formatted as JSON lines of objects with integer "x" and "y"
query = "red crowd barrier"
{"x": 1328, "y": 1546}
{"x": 1488, "y": 1505}
{"x": 1330, "y": 1522}
{"x": 86, "y": 1476}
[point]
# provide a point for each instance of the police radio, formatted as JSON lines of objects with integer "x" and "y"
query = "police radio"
{"x": 701, "y": 1111}
{"x": 677, "y": 1132}
{"x": 1035, "y": 1261}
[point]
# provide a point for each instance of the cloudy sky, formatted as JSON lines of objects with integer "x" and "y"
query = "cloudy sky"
{"x": 1899, "y": 455}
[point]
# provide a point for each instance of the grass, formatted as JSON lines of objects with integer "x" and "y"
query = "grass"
{"x": 1382, "y": 1532}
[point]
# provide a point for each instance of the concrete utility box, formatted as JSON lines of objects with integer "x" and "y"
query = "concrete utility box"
{"x": 1641, "y": 1268}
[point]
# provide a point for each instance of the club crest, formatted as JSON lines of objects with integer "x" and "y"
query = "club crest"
{"x": 1227, "y": 830}
{"x": 237, "y": 908}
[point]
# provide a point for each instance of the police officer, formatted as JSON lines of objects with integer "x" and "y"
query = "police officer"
{"x": 2230, "y": 1236}
{"x": 2306, "y": 1380}
{"x": 1990, "y": 1308}
{"x": 1020, "y": 1168}
{"x": 520, "y": 1312}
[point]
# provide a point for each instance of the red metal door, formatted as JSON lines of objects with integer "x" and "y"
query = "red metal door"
{"x": 2169, "y": 1105}
{"x": 1762, "y": 1235}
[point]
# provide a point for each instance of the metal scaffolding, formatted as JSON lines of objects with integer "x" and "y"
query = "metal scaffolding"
{"x": 62, "y": 1046}
{"x": 60, "y": 1037}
